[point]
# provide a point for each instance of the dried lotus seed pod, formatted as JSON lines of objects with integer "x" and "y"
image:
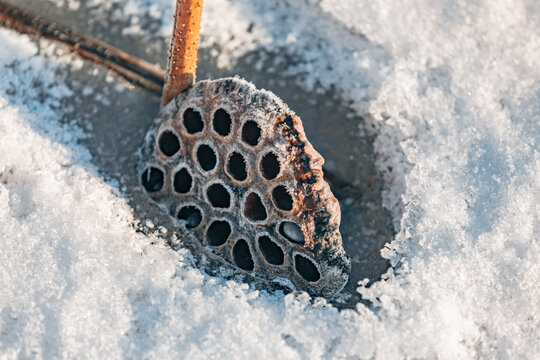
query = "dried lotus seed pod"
{"x": 233, "y": 166}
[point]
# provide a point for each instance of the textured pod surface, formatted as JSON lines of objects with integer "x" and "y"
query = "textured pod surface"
{"x": 233, "y": 165}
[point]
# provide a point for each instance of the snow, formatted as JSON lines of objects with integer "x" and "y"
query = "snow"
{"x": 453, "y": 94}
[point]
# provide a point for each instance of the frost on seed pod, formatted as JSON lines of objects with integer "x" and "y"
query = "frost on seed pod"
{"x": 233, "y": 166}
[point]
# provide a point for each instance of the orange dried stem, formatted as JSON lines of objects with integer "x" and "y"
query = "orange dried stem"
{"x": 183, "y": 52}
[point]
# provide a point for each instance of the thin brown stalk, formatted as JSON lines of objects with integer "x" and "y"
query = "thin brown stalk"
{"x": 183, "y": 52}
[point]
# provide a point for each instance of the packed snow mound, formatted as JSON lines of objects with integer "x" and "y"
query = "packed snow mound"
{"x": 453, "y": 91}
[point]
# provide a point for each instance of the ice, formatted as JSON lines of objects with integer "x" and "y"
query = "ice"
{"x": 452, "y": 90}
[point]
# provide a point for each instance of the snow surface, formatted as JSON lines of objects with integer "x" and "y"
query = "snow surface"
{"x": 453, "y": 92}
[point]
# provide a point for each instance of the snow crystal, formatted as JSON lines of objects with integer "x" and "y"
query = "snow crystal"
{"x": 452, "y": 90}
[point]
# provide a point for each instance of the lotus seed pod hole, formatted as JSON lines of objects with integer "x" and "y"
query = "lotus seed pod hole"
{"x": 306, "y": 268}
{"x": 152, "y": 179}
{"x": 206, "y": 156}
{"x": 191, "y": 215}
{"x": 169, "y": 143}
{"x": 236, "y": 166}
{"x": 270, "y": 166}
{"x": 193, "y": 121}
{"x": 254, "y": 208}
{"x": 292, "y": 232}
{"x": 251, "y": 133}
{"x": 242, "y": 255}
{"x": 182, "y": 181}
{"x": 218, "y": 196}
{"x": 218, "y": 232}
{"x": 282, "y": 199}
{"x": 271, "y": 251}
{"x": 222, "y": 122}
